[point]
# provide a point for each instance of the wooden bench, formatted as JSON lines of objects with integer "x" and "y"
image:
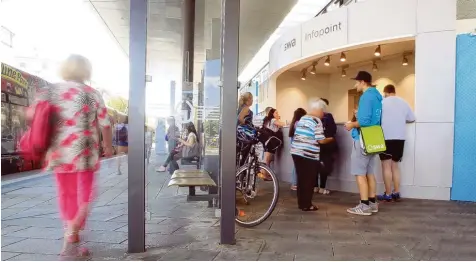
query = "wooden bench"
{"x": 191, "y": 179}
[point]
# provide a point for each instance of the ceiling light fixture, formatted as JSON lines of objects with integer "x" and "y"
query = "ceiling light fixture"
{"x": 374, "y": 67}
{"x": 328, "y": 61}
{"x": 303, "y": 77}
{"x": 378, "y": 51}
{"x": 342, "y": 57}
{"x": 313, "y": 70}
{"x": 404, "y": 61}
{"x": 344, "y": 73}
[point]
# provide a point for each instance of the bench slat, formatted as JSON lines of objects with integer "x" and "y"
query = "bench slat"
{"x": 190, "y": 175}
{"x": 192, "y": 181}
{"x": 190, "y": 171}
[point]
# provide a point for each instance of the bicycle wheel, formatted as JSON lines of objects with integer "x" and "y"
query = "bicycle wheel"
{"x": 254, "y": 204}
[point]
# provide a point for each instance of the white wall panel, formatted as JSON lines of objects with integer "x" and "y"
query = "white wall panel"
{"x": 435, "y": 58}
{"x": 435, "y": 16}
{"x": 434, "y": 154}
{"x": 375, "y": 20}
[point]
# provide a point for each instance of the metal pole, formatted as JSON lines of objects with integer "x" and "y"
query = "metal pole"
{"x": 188, "y": 18}
{"x": 172, "y": 98}
{"x": 136, "y": 170}
{"x": 229, "y": 96}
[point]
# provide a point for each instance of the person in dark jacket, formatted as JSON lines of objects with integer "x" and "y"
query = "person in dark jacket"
{"x": 327, "y": 152}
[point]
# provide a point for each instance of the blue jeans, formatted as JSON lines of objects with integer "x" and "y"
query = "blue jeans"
{"x": 293, "y": 175}
{"x": 293, "y": 178}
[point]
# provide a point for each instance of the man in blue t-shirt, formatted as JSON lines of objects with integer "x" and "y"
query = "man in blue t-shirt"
{"x": 363, "y": 165}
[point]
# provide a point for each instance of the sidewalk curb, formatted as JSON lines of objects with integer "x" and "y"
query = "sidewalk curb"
{"x": 41, "y": 174}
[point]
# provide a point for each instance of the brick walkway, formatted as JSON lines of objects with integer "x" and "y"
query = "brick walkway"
{"x": 177, "y": 230}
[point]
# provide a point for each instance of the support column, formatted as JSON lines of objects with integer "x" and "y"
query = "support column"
{"x": 229, "y": 96}
{"x": 172, "y": 98}
{"x": 136, "y": 165}
{"x": 188, "y": 18}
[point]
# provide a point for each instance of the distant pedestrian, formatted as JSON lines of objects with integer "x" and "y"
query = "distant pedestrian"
{"x": 122, "y": 136}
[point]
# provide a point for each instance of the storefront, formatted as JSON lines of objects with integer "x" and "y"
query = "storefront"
{"x": 396, "y": 42}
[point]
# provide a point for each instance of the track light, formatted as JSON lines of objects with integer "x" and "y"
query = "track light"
{"x": 328, "y": 61}
{"x": 303, "y": 77}
{"x": 378, "y": 51}
{"x": 344, "y": 73}
{"x": 313, "y": 70}
{"x": 342, "y": 57}
{"x": 404, "y": 61}
{"x": 374, "y": 67}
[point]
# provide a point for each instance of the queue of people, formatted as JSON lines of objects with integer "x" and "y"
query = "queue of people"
{"x": 314, "y": 146}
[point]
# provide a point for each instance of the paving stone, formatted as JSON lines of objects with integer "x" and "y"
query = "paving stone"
{"x": 10, "y": 229}
{"x": 35, "y": 257}
{"x": 276, "y": 234}
{"x": 35, "y": 246}
{"x": 34, "y": 222}
{"x": 45, "y": 233}
{"x": 179, "y": 254}
{"x": 271, "y": 256}
{"x": 106, "y": 251}
{"x": 8, "y": 255}
{"x": 11, "y": 211}
{"x": 236, "y": 256}
{"x": 169, "y": 241}
{"x": 104, "y": 225}
{"x": 351, "y": 251}
{"x": 8, "y": 240}
{"x": 105, "y": 237}
{"x": 287, "y": 246}
{"x": 313, "y": 257}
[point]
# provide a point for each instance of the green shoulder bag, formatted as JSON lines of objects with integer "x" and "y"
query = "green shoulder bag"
{"x": 372, "y": 139}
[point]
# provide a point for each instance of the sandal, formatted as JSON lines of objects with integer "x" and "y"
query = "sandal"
{"x": 71, "y": 247}
{"x": 311, "y": 208}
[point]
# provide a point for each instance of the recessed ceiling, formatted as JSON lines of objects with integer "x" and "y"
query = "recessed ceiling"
{"x": 358, "y": 56}
{"x": 258, "y": 20}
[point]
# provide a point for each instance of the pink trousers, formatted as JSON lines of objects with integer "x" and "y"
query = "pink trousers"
{"x": 74, "y": 195}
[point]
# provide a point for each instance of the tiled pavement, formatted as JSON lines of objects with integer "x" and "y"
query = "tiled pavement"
{"x": 177, "y": 230}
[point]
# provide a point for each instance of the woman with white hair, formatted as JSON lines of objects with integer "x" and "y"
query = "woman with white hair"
{"x": 79, "y": 114}
{"x": 305, "y": 150}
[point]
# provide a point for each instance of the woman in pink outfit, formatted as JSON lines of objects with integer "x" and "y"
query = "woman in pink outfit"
{"x": 79, "y": 114}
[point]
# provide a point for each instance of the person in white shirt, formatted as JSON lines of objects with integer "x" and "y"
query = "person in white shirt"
{"x": 395, "y": 114}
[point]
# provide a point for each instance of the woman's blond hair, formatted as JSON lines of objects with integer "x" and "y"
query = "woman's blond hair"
{"x": 245, "y": 97}
{"x": 76, "y": 68}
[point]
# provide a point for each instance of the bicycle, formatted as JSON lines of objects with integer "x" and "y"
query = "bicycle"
{"x": 247, "y": 180}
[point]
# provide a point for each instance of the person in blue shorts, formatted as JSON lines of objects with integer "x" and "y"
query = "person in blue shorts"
{"x": 363, "y": 165}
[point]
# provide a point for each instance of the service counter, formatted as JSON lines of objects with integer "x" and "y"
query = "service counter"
{"x": 341, "y": 179}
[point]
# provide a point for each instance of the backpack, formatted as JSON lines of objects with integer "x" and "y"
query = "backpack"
{"x": 35, "y": 142}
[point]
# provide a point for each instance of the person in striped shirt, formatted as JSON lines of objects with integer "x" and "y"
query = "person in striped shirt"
{"x": 305, "y": 150}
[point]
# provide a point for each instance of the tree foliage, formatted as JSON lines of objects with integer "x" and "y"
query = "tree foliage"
{"x": 119, "y": 103}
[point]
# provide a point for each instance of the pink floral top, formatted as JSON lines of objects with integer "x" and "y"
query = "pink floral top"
{"x": 80, "y": 113}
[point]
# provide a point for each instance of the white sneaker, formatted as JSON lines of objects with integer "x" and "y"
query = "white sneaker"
{"x": 361, "y": 210}
{"x": 160, "y": 169}
{"x": 374, "y": 207}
